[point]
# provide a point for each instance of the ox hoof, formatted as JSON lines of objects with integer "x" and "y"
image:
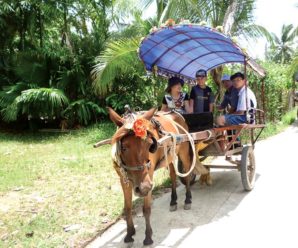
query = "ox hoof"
{"x": 173, "y": 208}
{"x": 209, "y": 181}
{"x": 187, "y": 206}
{"x": 206, "y": 179}
{"x": 128, "y": 239}
{"x": 148, "y": 241}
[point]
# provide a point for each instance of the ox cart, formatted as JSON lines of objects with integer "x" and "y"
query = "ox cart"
{"x": 236, "y": 143}
{"x": 180, "y": 50}
{"x": 147, "y": 142}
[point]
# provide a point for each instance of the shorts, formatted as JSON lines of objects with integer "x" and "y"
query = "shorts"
{"x": 235, "y": 119}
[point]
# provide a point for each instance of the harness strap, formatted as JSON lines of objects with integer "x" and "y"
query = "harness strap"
{"x": 136, "y": 167}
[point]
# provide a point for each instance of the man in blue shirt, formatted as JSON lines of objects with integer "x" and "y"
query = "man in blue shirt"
{"x": 230, "y": 100}
{"x": 246, "y": 102}
{"x": 201, "y": 96}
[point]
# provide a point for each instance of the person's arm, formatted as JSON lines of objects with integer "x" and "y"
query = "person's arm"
{"x": 211, "y": 101}
{"x": 240, "y": 112}
{"x": 233, "y": 101}
{"x": 231, "y": 110}
{"x": 164, "y": 107}
{"x": 241, "y": 105}
{"x": 191, "y": 100}
{"x": 211, "y": 106}
{"x": 223, "y": 104}
{"x": 187, "y": 107}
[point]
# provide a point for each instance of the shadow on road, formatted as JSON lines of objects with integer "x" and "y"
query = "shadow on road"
{"x": 171, "y": 229}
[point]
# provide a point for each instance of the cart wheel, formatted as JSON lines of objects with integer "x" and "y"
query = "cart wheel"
{"x": 248, "y": 168}
{"x": 182, "y": 179}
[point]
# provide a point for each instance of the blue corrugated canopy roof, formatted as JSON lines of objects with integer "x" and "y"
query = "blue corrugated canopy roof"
{"x": 183, "y": 49}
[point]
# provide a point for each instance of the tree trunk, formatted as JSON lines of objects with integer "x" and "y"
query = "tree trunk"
{"x": 216, "y": 75}
{"x": 40, "y": 24}
{"x": 65, "y": 37}
{"x": 22, "y": 30}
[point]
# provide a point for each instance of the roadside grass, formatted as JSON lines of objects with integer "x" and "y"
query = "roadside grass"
{"x": 56, "y": 190}
{"x": 272, "y": 128}
{"x": 51, "y": 182}
{"x": 275, "y": 128}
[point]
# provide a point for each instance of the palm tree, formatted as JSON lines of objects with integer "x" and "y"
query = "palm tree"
{"x": 282, "y": 48}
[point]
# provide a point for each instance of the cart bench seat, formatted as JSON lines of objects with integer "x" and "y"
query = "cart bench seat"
{"x": 199, "y": 122}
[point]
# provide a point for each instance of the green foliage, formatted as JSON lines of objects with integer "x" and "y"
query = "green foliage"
{"x": 40, "y": 103}
{"x": 277, "y": 88}
{"x": 294, "y": 66}
{"x": 119, "y": 57}
{"x": 82, "y": 112}
{"x": 289, "y": 117}
{"x": 282, "y": 48}
{"x": 273, "y": 128}
{"x": 51, "y": 45}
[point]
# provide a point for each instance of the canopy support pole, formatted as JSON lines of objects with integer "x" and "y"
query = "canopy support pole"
{"x": 245, "y": 80}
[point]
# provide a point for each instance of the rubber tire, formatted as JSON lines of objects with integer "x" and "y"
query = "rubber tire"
{"x": 248, "y": 168}
{"x": 182, "y": 179}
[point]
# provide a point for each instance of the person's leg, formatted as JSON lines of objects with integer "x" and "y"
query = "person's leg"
{"x": 234, "y": 119}
{"x": 220, "y": 121}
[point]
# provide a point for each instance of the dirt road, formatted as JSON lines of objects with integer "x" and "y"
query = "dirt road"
{"x": 224, "y": 215}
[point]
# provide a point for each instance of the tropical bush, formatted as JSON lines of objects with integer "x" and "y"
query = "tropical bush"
{"x": 59, "y": 60}
{"x": 277, "y": 90}
{"x": 47, "y": 50}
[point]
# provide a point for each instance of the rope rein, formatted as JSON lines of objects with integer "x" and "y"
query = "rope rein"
{"x": 173, "y": 148}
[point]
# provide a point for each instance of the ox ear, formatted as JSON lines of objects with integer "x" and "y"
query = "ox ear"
{"x": 117, "y": 119}
{"x": 149, "y": 114}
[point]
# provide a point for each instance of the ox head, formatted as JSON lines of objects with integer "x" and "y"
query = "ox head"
{"x": 134, "y": 142}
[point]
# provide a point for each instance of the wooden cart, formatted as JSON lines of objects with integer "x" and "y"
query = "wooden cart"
{"x": 225, "y": 141}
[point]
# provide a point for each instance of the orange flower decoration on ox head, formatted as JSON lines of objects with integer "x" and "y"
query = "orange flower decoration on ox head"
{"x": 140, "y": 127}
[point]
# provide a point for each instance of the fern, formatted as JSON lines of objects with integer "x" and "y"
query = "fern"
{"x": 82, "y": 111}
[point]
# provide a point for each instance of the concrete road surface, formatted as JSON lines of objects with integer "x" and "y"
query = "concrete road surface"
{"x": 224, "y": 215}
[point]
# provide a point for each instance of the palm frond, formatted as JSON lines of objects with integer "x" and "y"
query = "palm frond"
{"x": 285, "y": 31}
{"x": 11, "y": 111}
{"x": 293, "y": 34}
{"x": 119, "y": 56}
{"x": 187, "y": 9}
{"x": 144, "y": 4}
{"x": 55, "y": 97}
{"x": 36, "y": 103}
{"x": 254, "y": 32}
{"x": 9, "y": 93}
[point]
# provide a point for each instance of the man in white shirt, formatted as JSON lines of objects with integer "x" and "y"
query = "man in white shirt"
{"x": 246, "y": 102}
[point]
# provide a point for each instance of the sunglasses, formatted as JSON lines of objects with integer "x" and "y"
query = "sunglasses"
{"x": 201, "y": 76}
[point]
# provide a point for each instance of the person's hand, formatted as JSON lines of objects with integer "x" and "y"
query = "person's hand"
{"x": 219, "y": 108}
